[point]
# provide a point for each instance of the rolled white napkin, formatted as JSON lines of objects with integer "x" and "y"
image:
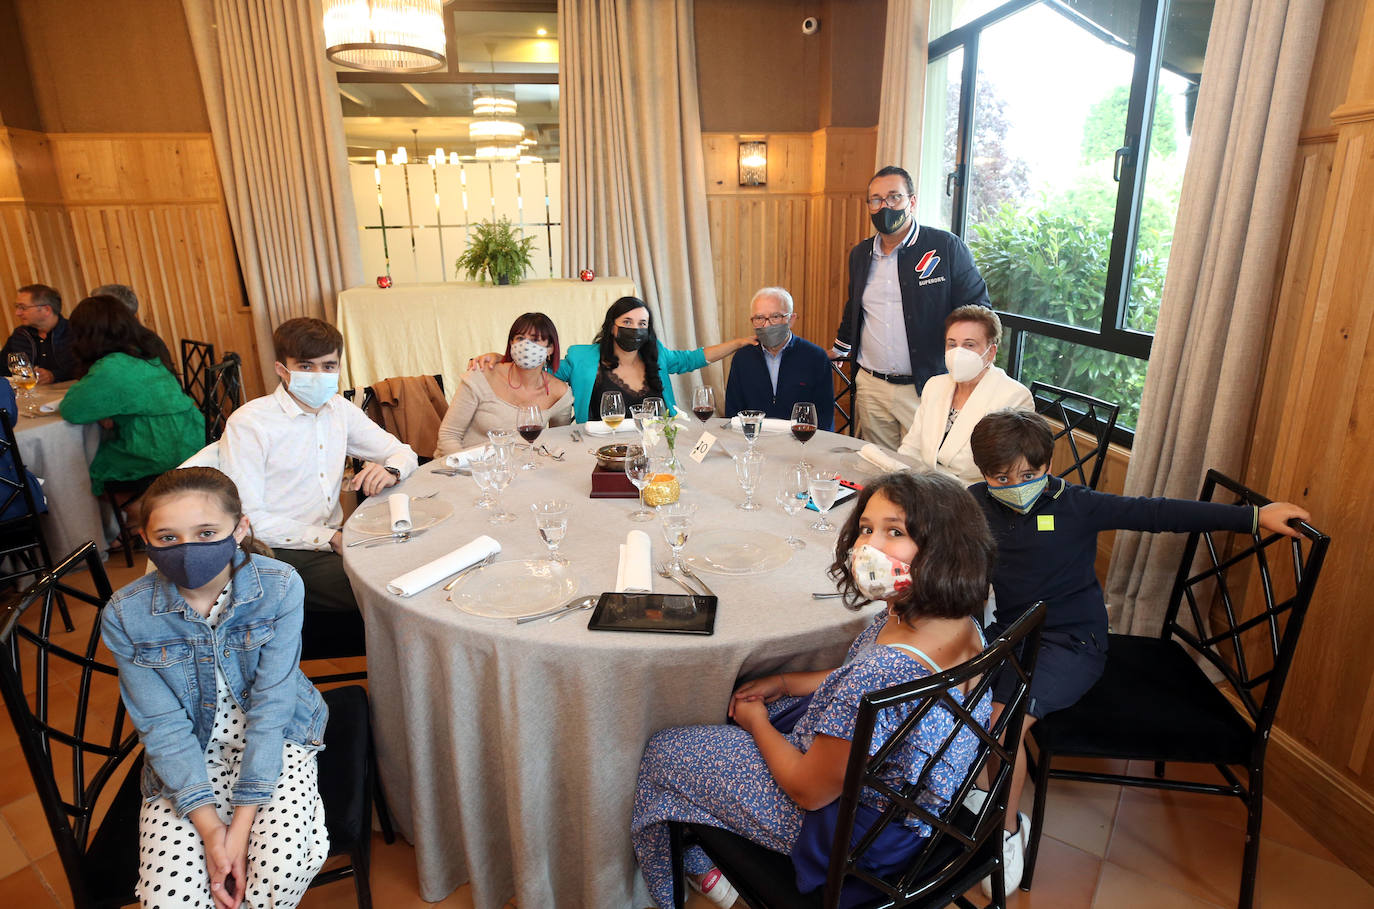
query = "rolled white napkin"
{"x": 769, "y": 424}
{"x": 50, "y": 406}
{"x": 399, "y": 504}
{"x": 635, "y": 573}
{"x": 881, "y": 459}
{"x": 431, "y": 573}
{"x": 464, "y": 458}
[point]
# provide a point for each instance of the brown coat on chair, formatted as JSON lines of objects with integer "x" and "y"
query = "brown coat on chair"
{"x": 412, "y": 407}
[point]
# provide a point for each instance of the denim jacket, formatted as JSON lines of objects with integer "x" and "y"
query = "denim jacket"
{"x": 167, "y": 655}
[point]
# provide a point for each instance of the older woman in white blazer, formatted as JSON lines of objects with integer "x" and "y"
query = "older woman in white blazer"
{"x": 953, "y": 403}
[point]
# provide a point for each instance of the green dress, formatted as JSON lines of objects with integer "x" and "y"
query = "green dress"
{"x": 156, "y": 425}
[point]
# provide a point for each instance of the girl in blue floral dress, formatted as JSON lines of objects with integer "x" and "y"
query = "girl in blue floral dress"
{"x": 919, "y": 543}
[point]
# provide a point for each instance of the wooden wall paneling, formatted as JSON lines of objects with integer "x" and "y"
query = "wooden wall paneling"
{"x": 1335, "y": 56}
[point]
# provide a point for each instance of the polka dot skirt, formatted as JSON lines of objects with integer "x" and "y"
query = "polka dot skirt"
{"x": 286, "y": 846}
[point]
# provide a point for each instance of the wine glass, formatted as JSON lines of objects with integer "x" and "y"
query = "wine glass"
{"x": 529, "y": 422}
{"x": 25, "y": 376}
{"x": 551, "y": 517}
{"x": 803, "y": 424}
{"x": 612, "y": 410}
{"x": 655, "y": 406}
{"x": 824, "y": 486}
{"x": 748, "y": 468}
{"x": 704, "y": 402}
{"x": 791, "y": 495}
{"x": 638, "y": 414}
{"x": 637, "y": 472}
{"x": 481, "y": 475}
{"x": 676, "y": 518}
{"x": 503, "y": 440}
{"x": 751, "y": 424}
{"x": 502, "y": 472}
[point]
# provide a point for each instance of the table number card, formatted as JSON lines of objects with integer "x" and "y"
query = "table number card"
{"x": 703, "y": 446}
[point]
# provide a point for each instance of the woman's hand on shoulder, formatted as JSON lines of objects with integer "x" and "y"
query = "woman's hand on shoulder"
{"x": 484, "y": 362}
{"x": 1275, "y": 516}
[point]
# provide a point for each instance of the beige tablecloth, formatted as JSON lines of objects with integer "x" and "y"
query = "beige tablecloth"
{"x": 509, "y": 752}
{"x": 427, "y": 328}
{"x": 60, "y": 454}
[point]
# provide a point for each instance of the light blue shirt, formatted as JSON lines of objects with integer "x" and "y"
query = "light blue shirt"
{"x": 774, "y": 360}
{"x": 882, "y": 342}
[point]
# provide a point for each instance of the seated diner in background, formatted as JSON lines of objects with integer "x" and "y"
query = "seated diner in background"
{"x": 626, "y": 356}
{"x": 915, "y": 541}
{"x": 952, "y": 403}
{"x": 42, "y": 335}
{"x": 492, "y": 399}
{"x": 782, "y": 369}
{"x": 12, "y": 504}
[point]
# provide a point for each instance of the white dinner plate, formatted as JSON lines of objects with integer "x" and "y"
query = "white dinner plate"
{"x": 377, "y": 518}
{"x": 737, "y": 552}
{"x": 509, "y": 590}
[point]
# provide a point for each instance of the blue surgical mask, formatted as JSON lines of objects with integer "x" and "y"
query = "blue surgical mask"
{"x": 313, "y": 389}
{"x": 1021, "y": 496}
{"x": 191, "y": 566}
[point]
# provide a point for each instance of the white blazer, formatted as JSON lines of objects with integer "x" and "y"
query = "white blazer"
{"x": 995, "y": 391}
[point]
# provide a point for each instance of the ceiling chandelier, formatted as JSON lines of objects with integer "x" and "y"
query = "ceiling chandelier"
{"x": 385, "y": 36}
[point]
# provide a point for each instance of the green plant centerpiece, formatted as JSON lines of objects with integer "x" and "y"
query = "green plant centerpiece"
{"x": 495, "y": 252}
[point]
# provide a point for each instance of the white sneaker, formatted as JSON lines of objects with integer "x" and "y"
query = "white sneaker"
{"x": 1013, "y": 855}
{"x": 715, "y": 888}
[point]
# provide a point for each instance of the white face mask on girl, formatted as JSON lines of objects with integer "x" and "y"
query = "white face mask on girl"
{"x": 528, "y": 354}
{"x": 964, "y": 364}
{"x": 877, "y": 574}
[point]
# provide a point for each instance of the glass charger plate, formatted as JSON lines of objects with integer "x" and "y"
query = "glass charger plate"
{"x": 509, "y": 590}
{"x": 377, "y": 518}
{"x": 737, "y": 552}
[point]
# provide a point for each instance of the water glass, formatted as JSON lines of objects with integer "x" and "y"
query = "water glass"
{"x": 656, "y": 406}
{"x": 551, "y": 518}
{"x": 751, "y": 424}
{"x": 748, "y": 468}
{"x": 676, "y": 518}
{"x": 502, "y": 472}
{"x": 481, "y": 475}
{"x": 612, "y": 410}
{"x": 824, "y": 486}
{"x": 639, "y": 413}
{"x": 637, "y": 472}
{"x": 791, "y": 495}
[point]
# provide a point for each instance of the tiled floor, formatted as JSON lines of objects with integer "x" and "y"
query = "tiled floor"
{"x": 1103, "y": 847}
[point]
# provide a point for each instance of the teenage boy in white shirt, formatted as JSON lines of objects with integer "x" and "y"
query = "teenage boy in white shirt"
{"x": 286, "y": 451}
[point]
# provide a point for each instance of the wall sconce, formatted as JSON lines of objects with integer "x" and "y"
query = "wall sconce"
{"x": 753, "y": 163}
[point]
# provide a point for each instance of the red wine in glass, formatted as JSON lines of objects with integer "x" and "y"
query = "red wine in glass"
{"x": 703, "y": 413}
{"x": 803, "y": 432}
{"x": 530, "y": 431}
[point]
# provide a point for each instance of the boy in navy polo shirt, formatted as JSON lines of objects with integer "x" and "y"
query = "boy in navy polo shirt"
{"x": 1046, "y": 532}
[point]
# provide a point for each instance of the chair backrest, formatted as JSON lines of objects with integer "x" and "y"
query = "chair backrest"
{"x": 843, "y": 370}
{"x": 952, "y": 844}
{"x": 223, "y": 393}
{"x": 15, "y": 491}
{"x": 196, "y": 358}
{"x": 1231, "y": 572}
{"x": 1078, "y": 413}
{"x": 72, "y": 749}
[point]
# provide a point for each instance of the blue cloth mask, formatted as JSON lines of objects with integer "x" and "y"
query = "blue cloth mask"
{"x": 191, "y": 566}
{"x": 313, "y": 389}
{"x": 1021, "y": 496}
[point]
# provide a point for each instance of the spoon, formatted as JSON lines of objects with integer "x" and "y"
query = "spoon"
{"x": 560, "y": 611}
{"x": 665, "y": 572}
{"x": 585, "y": 603}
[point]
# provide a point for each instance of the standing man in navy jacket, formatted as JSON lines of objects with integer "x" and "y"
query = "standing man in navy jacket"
{"x": 902, "y": 283}
{"x": 783, "y": 369}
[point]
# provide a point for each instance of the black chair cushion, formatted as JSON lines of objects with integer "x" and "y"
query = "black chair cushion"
{"x": 1152, "y": 703}
{"x": 343, "y": 769}
{"x": 110, "y": 868}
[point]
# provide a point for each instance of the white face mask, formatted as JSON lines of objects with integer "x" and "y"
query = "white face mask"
{"x": 877, "y": 574}
{"x": 528, "y": 354}
{"x": 963, "y": 364}
{"x": 313, "y": 389}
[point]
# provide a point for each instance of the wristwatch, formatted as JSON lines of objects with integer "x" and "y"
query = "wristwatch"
{"x": 394, "y": 471}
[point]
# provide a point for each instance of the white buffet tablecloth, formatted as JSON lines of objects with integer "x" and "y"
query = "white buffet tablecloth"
{"x": 416, "y": 329}
{"x": 509, "y": 752}
{"x": 60, "y": 453}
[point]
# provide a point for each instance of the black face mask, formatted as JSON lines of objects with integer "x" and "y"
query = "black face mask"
{"x": 888, "y": 220}
{"x": 631, "y": 339}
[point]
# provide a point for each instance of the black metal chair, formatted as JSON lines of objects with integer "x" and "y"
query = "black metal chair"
{"x": 95, "y": 745}
{"x": 965, "y": 845}
{"x": 1154, "y": 702}
{"x": 1078, "y": 413}
{"x": 223, "y": 394}
{"x": 843, "y": 370}
{"x": 23, "y": 547}
{"x": 119, "y": 495}
{"x": 196, "y": 358}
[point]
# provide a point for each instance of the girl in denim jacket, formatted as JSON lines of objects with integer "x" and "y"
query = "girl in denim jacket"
{"x": 208, "y": 649}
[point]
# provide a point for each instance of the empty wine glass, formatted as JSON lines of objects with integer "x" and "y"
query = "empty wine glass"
{"x": 637, "y": 471}
{"x": 824, "y": 486}
{"x": 551, "y": 517}
{"x": 791, "y": 495}
{"x": 503, "y": 440}
{"x": 748, "y": 468}
{"x": 612, "y": 410}
{"x": 502, "y": 472}
{"x": 704, "y": 402}
{"x": 803, "y": 424}
{"x": 751, "y": 424}
{"x": 676, "y": 518}
{"x": 529, "y": 422}
{"x": 638, "y": 414}
{"x": 481, "y": 475}
{"x": 656, "y": 406}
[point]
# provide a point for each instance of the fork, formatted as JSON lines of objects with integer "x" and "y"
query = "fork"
{"x": 463, "y": 571}
{"x": 693, "y": 575}
{"x": 544, "y": 450}
{"x": 428, "y": 496}
{"x": 665, "y": 572}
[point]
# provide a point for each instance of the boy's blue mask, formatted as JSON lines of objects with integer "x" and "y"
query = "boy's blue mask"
{"x": 1022, "y": 496}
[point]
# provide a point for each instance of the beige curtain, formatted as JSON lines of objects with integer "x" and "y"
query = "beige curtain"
{"x": 1203, "y": 379}
{"x": 634, "y": 187}
{"x": 278, "y": 134}
{"x": 902, "y": 105}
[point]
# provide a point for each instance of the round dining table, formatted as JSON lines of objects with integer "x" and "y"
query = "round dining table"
{"x": 60, "y": 454}
{"x": 508, "y": 752}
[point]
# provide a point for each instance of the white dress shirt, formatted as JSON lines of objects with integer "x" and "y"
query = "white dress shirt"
{"x": 288, "y": 464}
{"x": 882, "y": 340}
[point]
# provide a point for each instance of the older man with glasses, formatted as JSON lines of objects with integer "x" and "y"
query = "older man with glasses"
{"x": 42, "y": 335}
{"x": 903, "y": 281}
{"x": 783, "y": 369}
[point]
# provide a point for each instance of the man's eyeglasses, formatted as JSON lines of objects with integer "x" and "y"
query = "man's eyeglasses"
{"x": 891, "y": 200}
{"x": 774, "y": 318}
{"x": 25, "y": 307}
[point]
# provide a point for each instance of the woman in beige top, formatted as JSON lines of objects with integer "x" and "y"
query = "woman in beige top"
{"x": 489, "y": 400}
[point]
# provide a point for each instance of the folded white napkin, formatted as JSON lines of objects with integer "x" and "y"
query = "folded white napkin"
{"x": 881, "y": 459}
{"x": 464, "y": 458}
{"x": 431, "y": 573}
{"x": 399, "y": 505}
{"x": 769, "y": 424}
{"x": 635, "y": 573}
{"x": 50, "y": 406}
{"x": 598, "y": 428}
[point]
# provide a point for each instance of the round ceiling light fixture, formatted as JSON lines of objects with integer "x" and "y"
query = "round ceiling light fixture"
{"x": 385, "y": 36}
